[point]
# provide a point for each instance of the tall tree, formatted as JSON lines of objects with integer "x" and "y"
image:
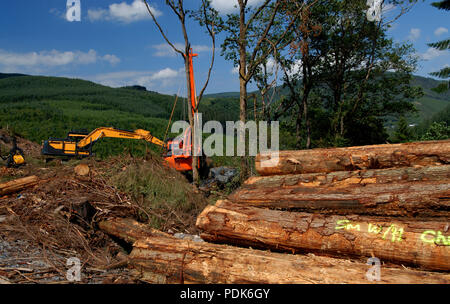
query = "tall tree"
{"x": 444, "y": 73}
{"x": 366, "y": 75}
{"x": 207, "y": 17}
{"x": 353, "y": 75}
{"x": 402, "y": 133}
{"x": 249, "y": 33}
{"x": 298, "y": 68}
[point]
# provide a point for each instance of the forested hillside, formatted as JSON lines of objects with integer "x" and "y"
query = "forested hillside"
{"x": 37, "y": 108}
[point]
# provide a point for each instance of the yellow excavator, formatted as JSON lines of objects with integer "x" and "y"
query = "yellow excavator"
{"x": 80, "y": 143}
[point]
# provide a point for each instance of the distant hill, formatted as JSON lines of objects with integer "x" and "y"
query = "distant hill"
{"x": 431, "y": 103}
{"x": 223, "y": 95}
{"x": 2, "y": 75}
{"x": 136, "y": 87}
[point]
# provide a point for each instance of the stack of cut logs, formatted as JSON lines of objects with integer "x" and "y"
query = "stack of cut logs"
{"x": 311, "y": 211}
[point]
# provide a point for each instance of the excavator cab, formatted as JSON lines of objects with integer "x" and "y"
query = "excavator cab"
{"x": 177, "y": 154}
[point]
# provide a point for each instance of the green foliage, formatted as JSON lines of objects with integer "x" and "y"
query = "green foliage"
{"x": 444, "y": 73}
{"x": 361, "y": 77}
{"x": 402, "y": 133}
{"x": 441, "y": 45}
{"x": 437, "y": 131}
{"x": 440, "y": 118}
{"x": 444, "y": 4}
{"x": 443, "y": 87}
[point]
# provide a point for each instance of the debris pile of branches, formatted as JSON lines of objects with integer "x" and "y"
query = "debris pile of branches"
{"x": 59, "y": 215}
{"x": 58, "y": 212}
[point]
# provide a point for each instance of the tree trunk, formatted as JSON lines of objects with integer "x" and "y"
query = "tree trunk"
{"x": 306, "y": 91}
{"x": 18, "y": 184}
{"x": 170, "y": 260}
{"x": 195, "y": 174}
{"x": 242, "y": 86}
{"x": 357, "y": 158}
{"x": 342, "y": 179}
{"x": 417, "y": 198}
{"x": 298, "y": 127}
{"x": 161, "y": 258}
{"x": 407, "y": 241}
{"x": 128, "y": 230}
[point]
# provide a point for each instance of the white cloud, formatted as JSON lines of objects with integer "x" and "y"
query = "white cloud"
{"x": 41, "y": 62}
{"x": 165, "y": 50}
{"x": 228, "y": 6}
{"x": 152, "y": 80}
{"x": 112, "y": 59}
{"x": 414, "y": 34}
{"x": 272, "y": 66}
{"x": 235, "y": 70}
{"x": 98, "y": 14}
{"x": 433, "y": 53}
{"x": 123, "y": 12}
{"x": 53, "y": 58}
{"x": 440, "y": 31}
{"x": 164, "y": 74}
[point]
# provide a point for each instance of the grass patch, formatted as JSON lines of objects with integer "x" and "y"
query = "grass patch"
{"x": 166, "y": 198}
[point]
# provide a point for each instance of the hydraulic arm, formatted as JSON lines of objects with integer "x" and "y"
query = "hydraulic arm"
{"x": 79, "y": 144}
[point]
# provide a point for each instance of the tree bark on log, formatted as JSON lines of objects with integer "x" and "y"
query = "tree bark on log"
{"x": 420, "y": 198}
{"x": 341, "y": 179}
{"x": 18, "y": 184}
{"x": 128, "y": 230}
{"x": 170, "y": 260}
{"x": 408, "y": 241}
{"x": 160, "y": 258}
{"x": 429, "y": 153}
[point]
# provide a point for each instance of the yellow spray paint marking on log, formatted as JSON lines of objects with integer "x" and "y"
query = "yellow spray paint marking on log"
{"x": 433, "y": 237}
{"x": 395, "y": 231}
{"x": 375, "y": 229}
{"x": 347, "y": 225}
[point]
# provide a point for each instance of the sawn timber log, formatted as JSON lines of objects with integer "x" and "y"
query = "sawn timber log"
{"x": 342, "y": 179}
{"x": 429, "y": 153}
{"x": 128, "y": 230}
{"x": 160, "y": 258}
{"x": 354, "y": 195}
{"x": 405, "y": 241}
{"x": 18, "y": 184}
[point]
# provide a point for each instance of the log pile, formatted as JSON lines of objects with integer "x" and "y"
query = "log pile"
{"x": 161, "y": 258}
{"x": 411, "y": 242}
{"x": 317, "y": 221}
{"x": 388, "y": 201}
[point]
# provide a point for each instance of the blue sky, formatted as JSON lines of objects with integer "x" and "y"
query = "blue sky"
{"x": 117, "y": 44}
